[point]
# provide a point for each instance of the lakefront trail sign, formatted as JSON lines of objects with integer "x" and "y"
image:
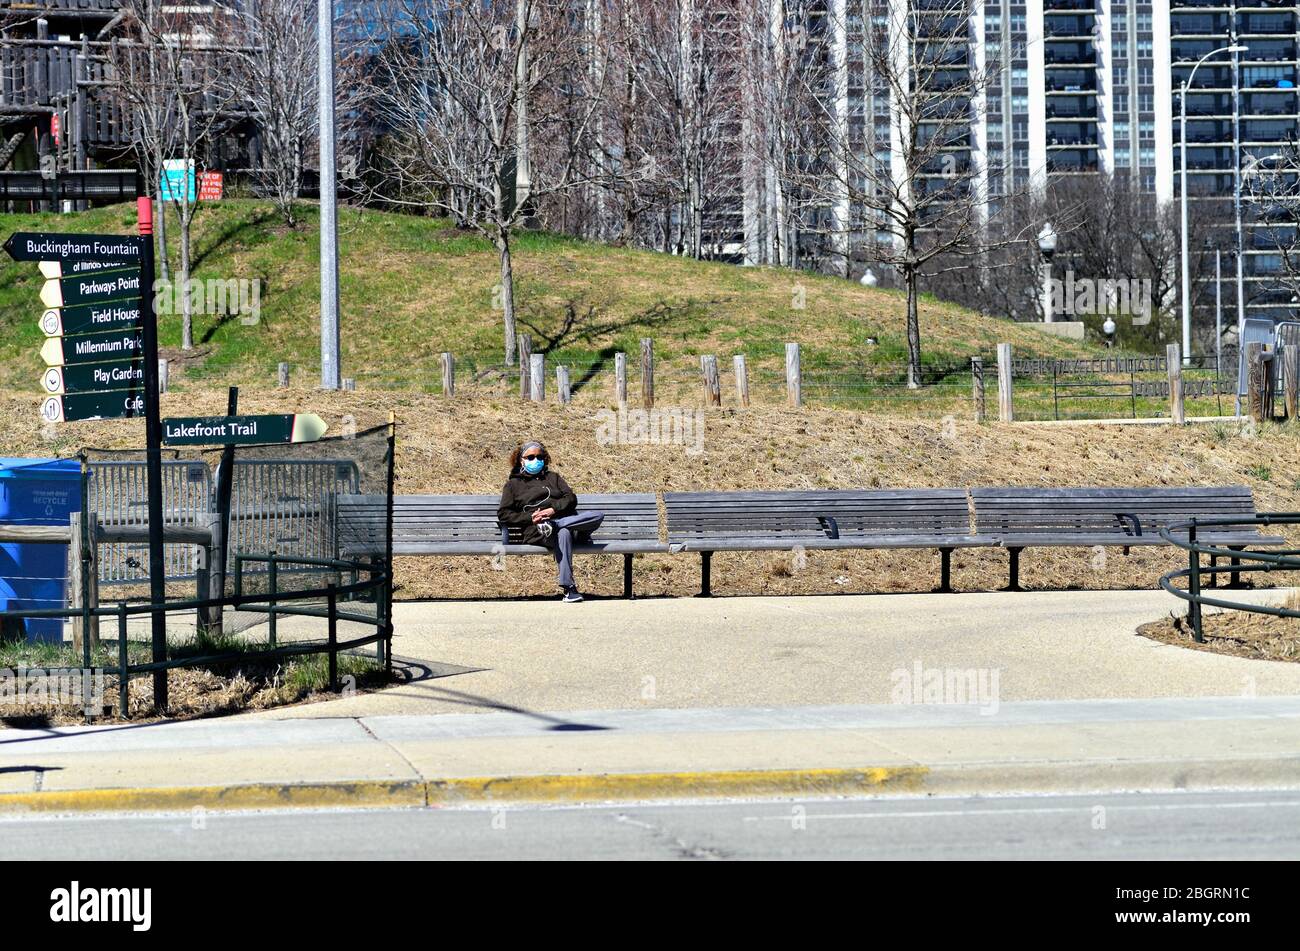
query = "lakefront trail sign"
{"x": 236, "y": 430}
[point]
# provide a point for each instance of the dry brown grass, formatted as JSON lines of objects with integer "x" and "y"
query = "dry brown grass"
{"x": 1239, "y": 633}
{"x": 461, "y": 446}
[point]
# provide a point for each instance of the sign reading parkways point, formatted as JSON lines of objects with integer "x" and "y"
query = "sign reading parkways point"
{"x": 233, "y": 430}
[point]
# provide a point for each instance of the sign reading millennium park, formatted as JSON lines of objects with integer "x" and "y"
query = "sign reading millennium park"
{"x": 92, "y": 320}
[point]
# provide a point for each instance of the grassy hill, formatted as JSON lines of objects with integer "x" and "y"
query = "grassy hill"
{"x": 413, "y": 287}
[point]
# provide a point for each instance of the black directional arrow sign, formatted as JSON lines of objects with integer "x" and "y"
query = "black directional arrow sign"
{"x": 91, "y": 318}
{"x": 92, "y": 348}
{"x": 102, "y": 248}
{"x": 91, "y": 377}
{"x": 91, "y": 288}
{"x": 119, "y": 404}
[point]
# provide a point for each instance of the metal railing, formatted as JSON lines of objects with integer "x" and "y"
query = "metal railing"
{"x": 377, "y": 584}
{"x": 1240, "y": 561}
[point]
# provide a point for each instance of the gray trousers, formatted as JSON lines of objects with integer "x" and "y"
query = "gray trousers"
{"x": 584, "y": 523}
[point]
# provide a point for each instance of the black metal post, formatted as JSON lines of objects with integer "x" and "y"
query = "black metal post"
{"x": 332, "y": 598}
{"x": 270, "y": 621}
{"x": 388, "y": 553}
{"x": 123, "y": 678}
{"x": 83, "y": 557}
{"x": 1194, "y": 585}
{"x": 945, "y": 569}
{"x": 153, "y": 452}
{"x": 706, "y": 588}
{"x": 225, "y": 479}
{"x": 627, "y": 575}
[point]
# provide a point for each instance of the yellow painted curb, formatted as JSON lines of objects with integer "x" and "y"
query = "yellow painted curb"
{"x": 253, "y": 796}
{"x": 578, "y": 787}
{"x": 599, "y": 786}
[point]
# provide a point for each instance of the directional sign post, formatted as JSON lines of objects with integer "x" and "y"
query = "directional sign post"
{"x": 242, "y": 430}
{"x": 101, "y": 350}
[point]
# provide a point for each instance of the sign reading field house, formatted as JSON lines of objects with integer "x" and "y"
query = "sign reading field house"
{"x": 230, "y": 430}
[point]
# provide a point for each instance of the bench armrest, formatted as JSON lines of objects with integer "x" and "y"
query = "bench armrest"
{"x": 829, "y": 526}
{"x": 1137, "y": 523}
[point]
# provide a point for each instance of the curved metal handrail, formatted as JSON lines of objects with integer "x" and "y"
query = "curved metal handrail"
{"x": 1266, "y": 561}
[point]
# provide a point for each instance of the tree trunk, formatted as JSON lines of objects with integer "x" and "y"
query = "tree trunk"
{"x": 507, "y": 295}
{"x": 913, "y": 332}
{"x": 163, "y": 271}
{"x": 187, "y": 313}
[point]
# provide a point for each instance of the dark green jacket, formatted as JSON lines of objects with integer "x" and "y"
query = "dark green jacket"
{"x": 524, "y": 494}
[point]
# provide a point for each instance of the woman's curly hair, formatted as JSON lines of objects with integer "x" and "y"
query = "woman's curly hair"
{"x": 518, "y": 451}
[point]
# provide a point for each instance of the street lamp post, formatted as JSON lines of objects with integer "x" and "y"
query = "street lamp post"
{"x": 1047, "y": 239}
{"x": 1182, "y": 156}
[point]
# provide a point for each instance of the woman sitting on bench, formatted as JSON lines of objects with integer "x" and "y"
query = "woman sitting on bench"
{"x": 539, "y": 503}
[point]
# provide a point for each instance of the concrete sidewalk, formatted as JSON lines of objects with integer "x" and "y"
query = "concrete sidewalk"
{"x": 787, "y": 652}
{"x": 1076, "y": 746}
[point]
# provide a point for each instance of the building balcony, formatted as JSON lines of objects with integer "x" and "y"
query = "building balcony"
{"x": 1072, "y": 107}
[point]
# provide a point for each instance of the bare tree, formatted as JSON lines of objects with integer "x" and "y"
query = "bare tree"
{"x": 167, "y": 70}
{"x": 909, "y": 197}
{"x": 273, "y": 72}
{"x": 457, "y": 88}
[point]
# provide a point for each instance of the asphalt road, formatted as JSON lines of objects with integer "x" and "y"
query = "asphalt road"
{"x": 1219, "y": 825}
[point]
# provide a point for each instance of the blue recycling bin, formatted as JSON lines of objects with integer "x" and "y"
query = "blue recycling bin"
{"x": 34, "y": 575}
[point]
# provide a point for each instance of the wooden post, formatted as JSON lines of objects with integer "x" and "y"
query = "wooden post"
{"x": 525, "y": 365}
{"x": 647, "y": 372}
{"x": 75, "y": 580}
{"x": 562, "y": 384}
{"x": 977, "y": 387}
{"x": 709, "y": 376}
{"x": 537, "y": 382}
{"x": 284, "y": 375}
{"x": 620, "y": 379}
{"x": 1291, "y": 379}
{"x": 448, "y": 375}
{"x": 1174, "y": 360}
{"x": 742, "y": 379}
{"x": 1255, "y": 381}
{"x": 793, "y": 378}
{"x": 1006, "y": 406}
{"x": 162, "y": 375}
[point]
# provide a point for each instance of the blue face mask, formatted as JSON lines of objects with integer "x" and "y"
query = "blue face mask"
{"x": 534, "y": 466}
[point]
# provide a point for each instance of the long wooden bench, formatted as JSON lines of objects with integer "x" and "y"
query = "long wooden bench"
{"x": 467, "y": 525}
{"x": 1021, "y": 518}
{"x": 706, "y": 522}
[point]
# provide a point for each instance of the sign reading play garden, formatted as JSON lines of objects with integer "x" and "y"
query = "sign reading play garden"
{"x": 233, "y": 430}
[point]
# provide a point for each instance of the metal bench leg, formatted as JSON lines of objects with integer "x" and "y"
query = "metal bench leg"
{"x": 627, "y": 576}
{"x": 1014, "y": 584}
{"x": 1212, "y": 579}
{"x": 1237, "y": 581}
{"x": 706, "y": 559}
{"x": 945, "y": 570}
